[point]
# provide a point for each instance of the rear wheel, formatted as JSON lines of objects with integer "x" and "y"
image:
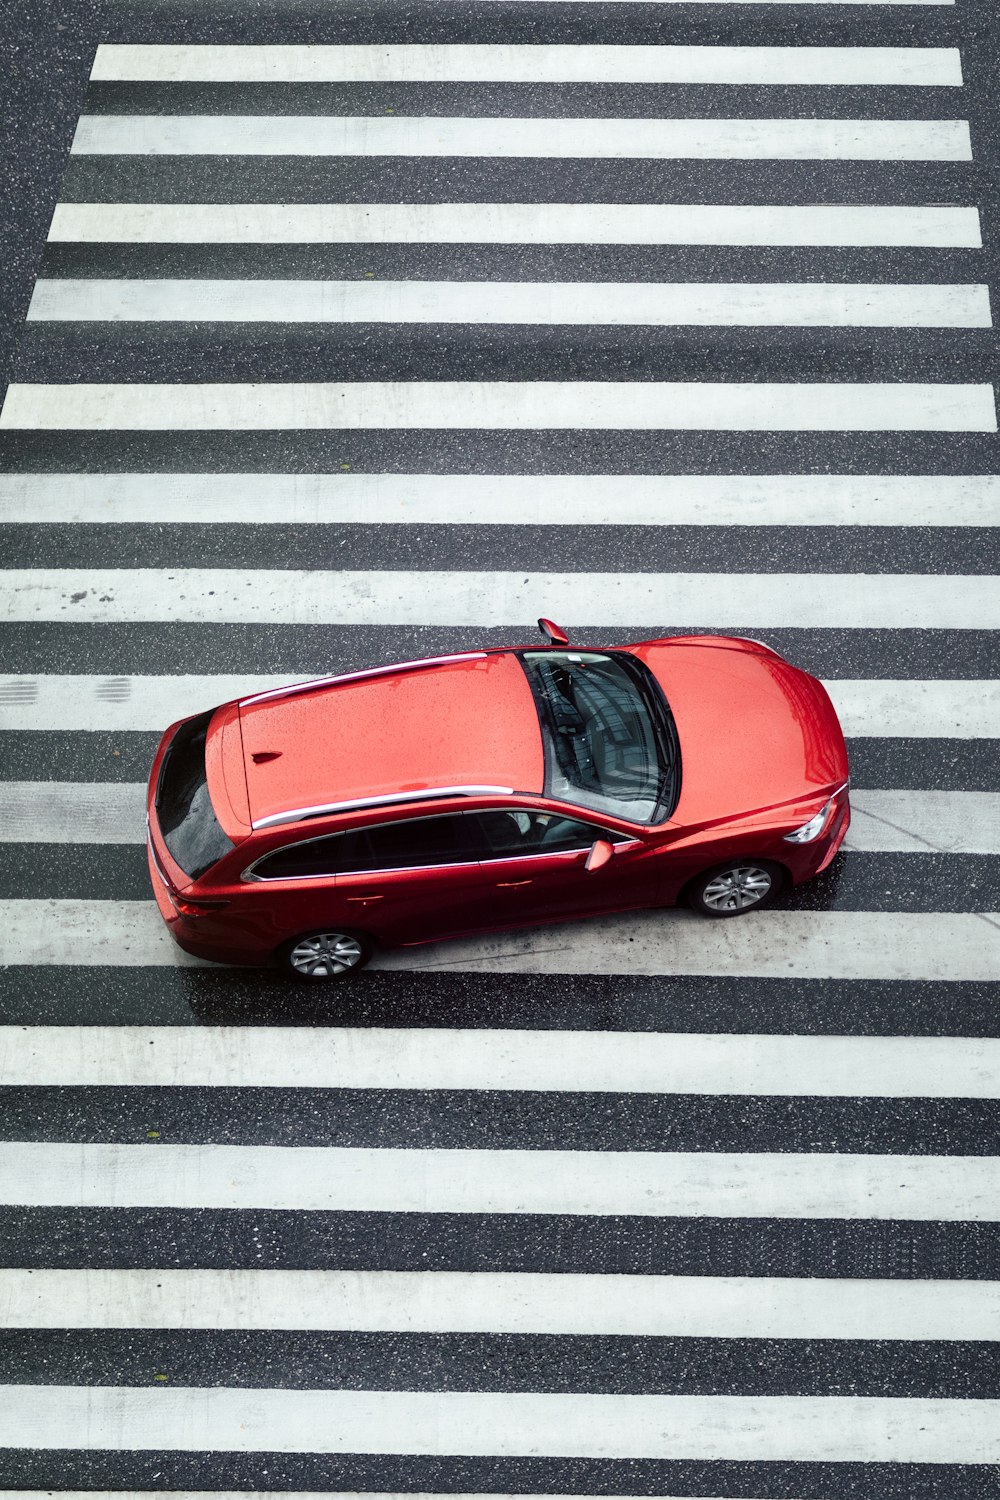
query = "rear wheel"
{"x": 733, "y": 889}
{"x": 328, "y": 955}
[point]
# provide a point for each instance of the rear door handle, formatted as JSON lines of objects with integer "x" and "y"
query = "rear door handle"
{"x": 505, "y": 885}
{"x": 365, "y": 900}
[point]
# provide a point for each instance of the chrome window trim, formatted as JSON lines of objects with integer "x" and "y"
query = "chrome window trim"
{"x": 398, "y": 666}
{"x": 517, "y": 859}
{"x": 388, "y": 799}
{"x": 462, "y": 864}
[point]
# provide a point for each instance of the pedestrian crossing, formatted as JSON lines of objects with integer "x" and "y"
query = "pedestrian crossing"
{"x": 350, "y": 345}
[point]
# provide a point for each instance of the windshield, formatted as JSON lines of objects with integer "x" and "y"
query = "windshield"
{"x": 609, "y": 736}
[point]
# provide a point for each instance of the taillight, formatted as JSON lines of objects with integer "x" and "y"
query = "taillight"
{"x": 188, "y": 908}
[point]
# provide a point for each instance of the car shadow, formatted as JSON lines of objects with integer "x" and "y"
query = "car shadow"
{"x": 818, "y": 894}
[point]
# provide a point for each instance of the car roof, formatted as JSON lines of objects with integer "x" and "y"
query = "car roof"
{"x": 454, "y": 722}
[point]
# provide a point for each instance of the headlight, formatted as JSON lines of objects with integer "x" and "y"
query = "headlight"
{"x": 811, "y": 830}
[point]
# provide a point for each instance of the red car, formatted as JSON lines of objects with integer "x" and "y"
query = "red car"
{"x": 492, "y": 789}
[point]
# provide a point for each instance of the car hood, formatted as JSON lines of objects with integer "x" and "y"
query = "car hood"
{"x": 754, "y": 731}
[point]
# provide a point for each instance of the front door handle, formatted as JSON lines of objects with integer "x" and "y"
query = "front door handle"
{"x": 506, "y": 885}
{"x": 364, "y": 900}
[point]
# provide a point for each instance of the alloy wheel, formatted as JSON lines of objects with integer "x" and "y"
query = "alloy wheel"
{"x": 737, "y": 888}
{"x": 325, "y": 954}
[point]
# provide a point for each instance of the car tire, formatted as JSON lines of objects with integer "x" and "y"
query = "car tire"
{"x": 735, "y": 888}
{"x": 327, "y": 956}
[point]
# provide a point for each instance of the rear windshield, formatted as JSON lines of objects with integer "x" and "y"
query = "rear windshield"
{"x": 609, "y": 736}
{"x": 190, "y": 829}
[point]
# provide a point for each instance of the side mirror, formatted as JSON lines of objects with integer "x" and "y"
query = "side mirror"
{"x": 600, "y": 853}
{"x": 552, "y": 633}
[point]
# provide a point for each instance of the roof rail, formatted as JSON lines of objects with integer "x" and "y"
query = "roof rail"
{"x": 399, "y": 666}
{"x": 425, "y": 794}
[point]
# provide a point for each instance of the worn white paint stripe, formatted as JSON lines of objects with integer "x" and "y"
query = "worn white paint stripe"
{"x": 507, "y": 499}
{"x": 868, "y": 708}
{"x": 73, "y": 812}
{"x": 774, "y": 945}
{"x": 797, "y": 303}
{"x": 650, "y": 1184}
{"x": 804, "y": 1428}
{"x": 925, "y": 821}
{"x": 516, "y": 223}
{"x": 616, "y": 1062}
{"x": 613, "y": 600}
{"x": 748, "y": 406}
{"x": 508, "y": 1302}
{"x": 937, "y": 66}
{"x": 435, "y": 63}
{"x": 491, "y": 136}
{"x": 840, "y": 945}
{"x": 928, "y": 709}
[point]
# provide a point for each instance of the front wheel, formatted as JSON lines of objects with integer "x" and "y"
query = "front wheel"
{"x": 325, "y": 955}
{"x": 733, "y": 889}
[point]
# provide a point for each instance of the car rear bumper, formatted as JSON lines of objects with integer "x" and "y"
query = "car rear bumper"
{"x": 186, "y": 931}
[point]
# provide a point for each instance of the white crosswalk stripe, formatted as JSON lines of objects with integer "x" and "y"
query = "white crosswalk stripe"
{"x": 413, "y": 62}
{"x": 300, "y": 597}
{"x": 801, "y": 304}
{"x": 509, "y": 1302}
{"x": 73, "y": 812}
{"x": 897, "y": 1067}
{"x": 855, "y": 1429}
{"x": 905, "y": 708}
{"x": 517, "y": 499}
{"x": 952, "y": 226}
{"x": 659, "y": 1196}
{"x": 663, "y": 303}
{"x": 309, "y": 135}
{"x": 779, "y": 944}
{"x": 646, "y": 1183}
{"x": 504, "y": 405}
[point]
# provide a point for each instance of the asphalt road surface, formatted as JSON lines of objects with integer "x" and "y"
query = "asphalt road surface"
{"x": 366, "y": 333}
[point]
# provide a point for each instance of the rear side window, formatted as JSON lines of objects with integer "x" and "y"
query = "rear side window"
{"x": 417, "y": 842}
{"x": 190, "y": 829}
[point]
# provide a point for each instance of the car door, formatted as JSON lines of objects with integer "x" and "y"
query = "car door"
{"x": 404, "y": 881}
{"x": 414, "y": 880}
{"x": 535, "y": 867}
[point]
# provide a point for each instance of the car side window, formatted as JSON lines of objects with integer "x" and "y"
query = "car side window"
{"x": 445, "y": 840}
{"x": 415, "y": 842}
{"x": 523, "y": 831}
